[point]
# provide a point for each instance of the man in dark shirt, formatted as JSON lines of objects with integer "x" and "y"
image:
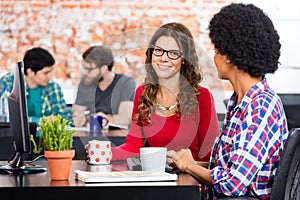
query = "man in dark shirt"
{"x": 101, "y": 91}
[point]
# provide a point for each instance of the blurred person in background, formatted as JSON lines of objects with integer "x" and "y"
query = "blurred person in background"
{"x": 44, "y": 96}
{"x": 135, "y": 68}
{"x": 246, "y": 156}
{"x": 101, "y": 91}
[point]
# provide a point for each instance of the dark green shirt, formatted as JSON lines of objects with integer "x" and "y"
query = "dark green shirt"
{"x": 34, "y": 102}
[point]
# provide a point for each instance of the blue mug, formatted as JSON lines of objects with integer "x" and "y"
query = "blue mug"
{"x": 97, "y": 122}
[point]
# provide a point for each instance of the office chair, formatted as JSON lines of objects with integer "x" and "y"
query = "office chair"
{"x": 291, "y": 105}
{"x": 286, "y": 184}
{"x": 225, "y": 101}
{"x": 221, "y": 117}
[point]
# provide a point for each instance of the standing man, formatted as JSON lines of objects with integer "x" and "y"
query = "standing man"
{"x": 44, "y": 96}
{"x": 102, "y": 91}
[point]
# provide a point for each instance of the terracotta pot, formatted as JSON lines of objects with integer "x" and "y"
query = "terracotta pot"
{"x": 60, "y": 183}
{"x": 59, "y": 163}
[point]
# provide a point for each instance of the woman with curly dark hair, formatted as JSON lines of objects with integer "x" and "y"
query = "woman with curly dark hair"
{"x": 171, "y": 108}
{"x": 246, "y": 155}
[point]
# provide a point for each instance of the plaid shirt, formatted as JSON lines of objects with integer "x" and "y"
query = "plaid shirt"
{"x": 246, "y": 155}
{"x": 52, "y": 99}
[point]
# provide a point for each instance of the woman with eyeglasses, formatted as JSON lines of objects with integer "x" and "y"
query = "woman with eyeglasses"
{"x": 171, "y": 108}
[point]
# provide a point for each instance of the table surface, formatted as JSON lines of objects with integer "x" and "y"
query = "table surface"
{"x": 186, "y": 187}
{"x": 43, "y": 179}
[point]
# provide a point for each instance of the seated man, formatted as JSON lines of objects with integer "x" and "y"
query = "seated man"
{"x": 44, "y": 96}
{"x": 102, "y": 91}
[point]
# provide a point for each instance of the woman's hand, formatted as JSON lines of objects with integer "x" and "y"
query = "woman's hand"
{"x": 170, "y": 156}
{"x": 183, "y": 159}
{"x": 79, "y": 119}
{"x": 86, "y": 147}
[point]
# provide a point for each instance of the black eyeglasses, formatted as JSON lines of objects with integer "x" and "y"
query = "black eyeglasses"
{"x": 172, "y": 54}
{"x": 88, "y": 69}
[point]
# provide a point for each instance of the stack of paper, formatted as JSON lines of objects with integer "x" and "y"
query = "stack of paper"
{"x": 112, "y": 125}
{"x": 123, "y": 176}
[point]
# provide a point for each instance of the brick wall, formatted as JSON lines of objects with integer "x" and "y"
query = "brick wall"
{"x": 66, "y": 28}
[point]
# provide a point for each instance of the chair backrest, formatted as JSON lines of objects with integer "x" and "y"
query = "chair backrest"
{"x": 225, "y": 101}
{"x": 221, "y": 117}
{"x": 286, "y": 182}
{"x": 291, "y": 105}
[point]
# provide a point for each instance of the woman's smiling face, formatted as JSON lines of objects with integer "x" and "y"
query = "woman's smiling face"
{"x": 163, "y": 65}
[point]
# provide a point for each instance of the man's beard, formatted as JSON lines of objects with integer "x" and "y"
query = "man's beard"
{"x": 94, "y": 81}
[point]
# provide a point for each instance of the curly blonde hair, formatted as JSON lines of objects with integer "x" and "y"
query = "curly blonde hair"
{"x": 189, "y": 80}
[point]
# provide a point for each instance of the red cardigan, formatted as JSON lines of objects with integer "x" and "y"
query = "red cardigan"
{"x": 196, "y": 132}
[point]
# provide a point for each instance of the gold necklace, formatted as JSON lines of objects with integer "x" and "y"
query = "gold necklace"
{"x": 163, "y": 108}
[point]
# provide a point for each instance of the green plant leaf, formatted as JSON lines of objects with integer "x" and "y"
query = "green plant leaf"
{"x": 56, "y": 134}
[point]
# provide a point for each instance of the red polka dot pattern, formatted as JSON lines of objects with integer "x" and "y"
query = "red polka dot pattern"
{"x": 99, "y": 152}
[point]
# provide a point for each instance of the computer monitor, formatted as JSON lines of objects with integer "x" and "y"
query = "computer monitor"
{"x": 19, "y": 126}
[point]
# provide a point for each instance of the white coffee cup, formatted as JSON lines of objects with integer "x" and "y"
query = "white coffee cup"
{"x": 153, "y": 158}
{"x": 99, "y": 152}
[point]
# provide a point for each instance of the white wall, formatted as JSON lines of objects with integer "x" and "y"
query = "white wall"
{"x": 285, "y": 15}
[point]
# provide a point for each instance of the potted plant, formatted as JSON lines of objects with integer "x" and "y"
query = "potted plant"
{"x": 56, "y": 141}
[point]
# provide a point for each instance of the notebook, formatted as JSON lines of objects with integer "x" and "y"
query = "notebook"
{"x": 123, "y": 176}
